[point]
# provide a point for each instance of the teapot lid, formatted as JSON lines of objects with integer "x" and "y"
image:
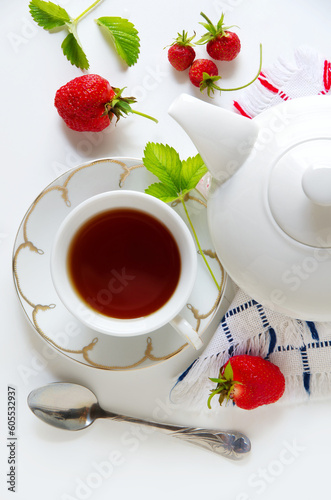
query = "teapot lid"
{"x": 299, "y": 192}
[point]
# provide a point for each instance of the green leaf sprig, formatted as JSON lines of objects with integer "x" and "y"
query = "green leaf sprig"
{"x": 122, "y": 32}
{"x": 176, "y": 177}
{"x": 123, "y": 35}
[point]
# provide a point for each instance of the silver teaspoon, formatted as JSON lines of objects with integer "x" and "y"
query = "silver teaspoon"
{"x": 74, "y": 407}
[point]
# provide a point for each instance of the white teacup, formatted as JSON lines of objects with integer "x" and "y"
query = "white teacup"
{"x": 167, "y": 313}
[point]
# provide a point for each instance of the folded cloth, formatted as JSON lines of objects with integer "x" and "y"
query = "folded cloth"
{"x": 301, "y": 349}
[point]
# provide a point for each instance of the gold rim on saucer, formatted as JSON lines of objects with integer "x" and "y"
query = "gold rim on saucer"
{"x": 43, "y": 308}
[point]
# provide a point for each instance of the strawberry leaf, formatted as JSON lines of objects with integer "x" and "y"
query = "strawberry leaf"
{"x": 164, "y": 162}
{"x": 74, "y": 52}
{"x": 179, "y": 177}
{"x": 48, "y": 15}
{"x": 192, "y": 171}
{"x": 162, "y": 192}
{"x": 124, "y": 36}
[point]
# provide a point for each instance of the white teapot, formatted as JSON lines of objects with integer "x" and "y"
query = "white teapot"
{"x": 269, "y": 208}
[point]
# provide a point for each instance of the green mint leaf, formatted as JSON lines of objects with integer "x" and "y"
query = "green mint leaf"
{"x": 162, "y": 192}
{"x": 164, "y": 162}
{"x": 48, "y": 15}
{"x": 192, "y": 171}
{"x": 74, "y": 52}
{"x": 124, "y": 36}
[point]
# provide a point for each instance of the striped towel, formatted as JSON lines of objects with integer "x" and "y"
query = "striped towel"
{"x": 301, "y": 349}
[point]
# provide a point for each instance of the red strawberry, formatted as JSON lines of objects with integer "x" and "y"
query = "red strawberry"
{"x": 203, "y": 73}
{"x": 88, "y": 103}
{"x": 222, "y": 44}
{"x": 181, "y": 53}
{"x": 250, "y": 381}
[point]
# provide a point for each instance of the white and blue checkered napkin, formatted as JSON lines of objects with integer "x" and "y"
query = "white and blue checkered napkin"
{"x": 301, "y": 349}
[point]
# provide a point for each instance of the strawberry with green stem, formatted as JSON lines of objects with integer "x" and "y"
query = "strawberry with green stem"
{"x": 222, "y": 44}
{"x": 181, "y": 53}
{"x": 249, "y": 381}
{"x": 89, "y": 103}
{"x": 204, "y": 74}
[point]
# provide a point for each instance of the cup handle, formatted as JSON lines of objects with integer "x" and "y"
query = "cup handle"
{"x": 186, "y": 330}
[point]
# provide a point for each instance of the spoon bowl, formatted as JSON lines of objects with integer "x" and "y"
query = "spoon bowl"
{"x": 62, "y": 405}
{"x": 74, "y": 407}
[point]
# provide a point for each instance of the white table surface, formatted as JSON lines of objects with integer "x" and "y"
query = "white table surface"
{"x": 290, "y": 445}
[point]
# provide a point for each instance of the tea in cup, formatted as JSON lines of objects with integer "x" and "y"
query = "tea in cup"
{"x": 124, "y": 263}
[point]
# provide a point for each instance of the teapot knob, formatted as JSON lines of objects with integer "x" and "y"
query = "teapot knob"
{"x": 316, "y": 183}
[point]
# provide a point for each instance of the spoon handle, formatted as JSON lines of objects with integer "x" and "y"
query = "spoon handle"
{"x": 233, "y": 445}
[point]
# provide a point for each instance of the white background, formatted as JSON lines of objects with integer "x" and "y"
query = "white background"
{"x": 290, "y": 455}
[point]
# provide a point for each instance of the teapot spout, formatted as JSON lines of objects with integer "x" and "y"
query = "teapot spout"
{"x": 224, "y": 139}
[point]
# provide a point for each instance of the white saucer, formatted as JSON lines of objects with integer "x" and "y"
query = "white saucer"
{"x": 45, "y": 311}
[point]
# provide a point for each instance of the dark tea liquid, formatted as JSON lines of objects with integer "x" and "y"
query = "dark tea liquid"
{"x": 124, "y": 263}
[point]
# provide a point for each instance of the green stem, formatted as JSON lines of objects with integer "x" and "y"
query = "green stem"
{"x": 145, "y": 116}
{"x": 212, "y": 27}
{"x": 72, "y": 28}
{"x": 198, "y": 243}
{"x": 94, "y": 4}
{"x": 247, "y": 84}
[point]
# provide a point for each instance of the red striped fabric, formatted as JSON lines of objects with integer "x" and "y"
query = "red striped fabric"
{"x": 327, "y": 75}
{"x": 240, "y": 109}
{"x": 265, "y": 82}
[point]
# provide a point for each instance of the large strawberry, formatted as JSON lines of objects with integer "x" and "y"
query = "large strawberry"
{"x": 249, "y": 381}
{"x": 88, "y": 103}
{"x": 181, "y": 53}
{"x": 222, "y": 44}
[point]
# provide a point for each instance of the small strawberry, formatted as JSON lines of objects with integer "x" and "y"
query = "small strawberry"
{"x": 88, "y": 103}
{"x": 203, "y": 74}
{"x": 222, "y": 45}
{"x": 250, "y": 381}
{"x": 181, "y": 53}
